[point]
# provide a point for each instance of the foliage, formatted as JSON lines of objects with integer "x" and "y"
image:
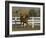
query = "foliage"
{"x": 32, "y": 13}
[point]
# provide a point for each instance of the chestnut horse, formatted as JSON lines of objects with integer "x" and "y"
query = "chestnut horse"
{"x": 23, "y": 19}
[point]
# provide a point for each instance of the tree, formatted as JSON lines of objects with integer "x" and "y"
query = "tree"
{"x": 32, "y": 13}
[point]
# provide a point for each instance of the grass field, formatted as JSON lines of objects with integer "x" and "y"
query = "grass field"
{"x": 19, "y": 28}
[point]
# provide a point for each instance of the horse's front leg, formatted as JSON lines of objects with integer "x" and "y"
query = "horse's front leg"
{"x": 21, "y": 24}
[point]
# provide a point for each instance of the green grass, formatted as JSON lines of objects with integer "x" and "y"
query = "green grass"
{"x": 25, "y": 28}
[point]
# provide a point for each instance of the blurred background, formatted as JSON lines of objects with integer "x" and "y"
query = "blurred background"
{"x": 33, "y": 12}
